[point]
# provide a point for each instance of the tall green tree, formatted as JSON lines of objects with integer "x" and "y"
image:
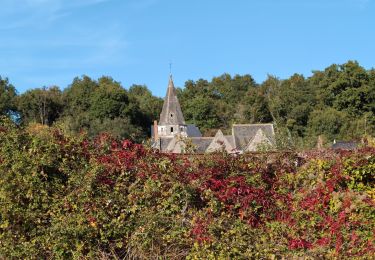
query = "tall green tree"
{"x": 329, "y": 123}
{"x": 256, "y": 107}
{"x": 347, "y": 87}
{"x": 298, "y": 101}
{"x": 149, "y": 105}
{"x": 40, "y": 105}
{"x": 108, "y": 100}
{"x": 8, "y": 94}
{"x": 202, "y": 112}
{"x": 102, "y": 106}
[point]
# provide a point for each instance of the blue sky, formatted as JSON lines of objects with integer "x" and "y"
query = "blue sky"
{"x": 49, "y": 42}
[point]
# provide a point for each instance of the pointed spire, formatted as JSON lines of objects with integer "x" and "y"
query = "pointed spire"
{"x": 171, "y": 113}
{"x": 170, "y": 82}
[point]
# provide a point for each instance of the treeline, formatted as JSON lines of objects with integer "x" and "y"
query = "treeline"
{"x": 89, "y": 105}
{"x": 336, "y": 103}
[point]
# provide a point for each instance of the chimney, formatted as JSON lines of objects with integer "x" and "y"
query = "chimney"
{"x": 156, "y": 136}
{"x": 319, "y": 143}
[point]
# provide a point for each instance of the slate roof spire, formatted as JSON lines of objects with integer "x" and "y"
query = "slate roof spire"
{"x": 171, "y": 113}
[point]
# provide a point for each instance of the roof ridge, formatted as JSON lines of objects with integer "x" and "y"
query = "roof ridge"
{"x": 251, "y": 124}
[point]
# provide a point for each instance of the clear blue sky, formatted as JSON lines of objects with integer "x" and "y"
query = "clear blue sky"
{"x": 49, "y": 42}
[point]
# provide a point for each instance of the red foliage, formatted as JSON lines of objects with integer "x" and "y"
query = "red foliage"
{"x": 299, "y": 243}
{"x": 226, "y": 177}
{"x": 199, "y": 231}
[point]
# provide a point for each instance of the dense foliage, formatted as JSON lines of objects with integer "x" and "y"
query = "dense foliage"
{"x": 68, "y": 196}
{"x": 335, "y": 103}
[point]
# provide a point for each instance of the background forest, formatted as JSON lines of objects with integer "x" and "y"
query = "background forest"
{"x": 337, "y": 103}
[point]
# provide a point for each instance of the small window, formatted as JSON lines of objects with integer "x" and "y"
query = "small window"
{"x": 181, "y": 128}
{"x": 171, "y": 129}
{"x": 171, "y": 115}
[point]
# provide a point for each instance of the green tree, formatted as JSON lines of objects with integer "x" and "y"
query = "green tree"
{"x": 77, "y": 95}
{"x": 256, "y": 106}
{"x": 149, "y": 105}
{"x": 108, "y": 100}
{"x": 328, "y": 122}
{"x": 77, "y": 100}
{"x": 293, "y": 100}
{"x": 8, "y": 94}
{"x": 202, "y": 112}
{"x": 225, "y": 95}
{"x": 40, "y": 105}
{"x": 346, "y": 87}
{"x": 102, "y": 106}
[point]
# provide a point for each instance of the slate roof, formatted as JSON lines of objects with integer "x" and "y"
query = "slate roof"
{"x": 241, "y": 138}
{"x": 162, "y": 143}
{"x": 171, "y": 113}
{"x": 260, "y": 139}
{"x": 230, "y": 139}
{"x": 345, "y": 145}
{"x": 243, "y": 134}
{"x": 219, "y": 142}
{"x": 193, "y": 131}
{"x": 176, "y": 145}
{"x": 201, "y": 143}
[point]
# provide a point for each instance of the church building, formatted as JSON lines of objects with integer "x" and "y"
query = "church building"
{"x": 172, "y": 135}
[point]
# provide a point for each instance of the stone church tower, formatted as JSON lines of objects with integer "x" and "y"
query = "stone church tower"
{"x": 172, "y": 120}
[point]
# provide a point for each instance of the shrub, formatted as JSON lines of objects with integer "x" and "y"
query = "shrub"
{"x": 68, "y": 197}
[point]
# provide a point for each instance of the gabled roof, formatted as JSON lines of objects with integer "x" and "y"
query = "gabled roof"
{"x": 201, "y": 143}
{"x": 162, "y": 143}
{"x": 244, "y": 133}
{"x": 230, "y": 140}
{"x": 171, "y": 113}
{"x": 176, "y": 145}
{"x": 219, "y": 142}
{"x": 245, "y": 137}
{"x": 260, "y": 139}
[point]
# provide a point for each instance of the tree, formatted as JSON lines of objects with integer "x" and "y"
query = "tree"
{"x": 202, "y": 112}
{"x": 102, "y": 106}
{"x": 117, "y": 127}
{"x": 108, "y": 100}
{"x": 289, "y": 103}
{"x": 346, "y": 87}
{"x": 271, "y": 89}
{"x": 256, "y": 106}
{"x": 8, "y": 94}
{"x": 149, "y": 105}
{"x": 77, "y": 95}
{"x": 328, "y": 122}
{"x": 40, "y": 105}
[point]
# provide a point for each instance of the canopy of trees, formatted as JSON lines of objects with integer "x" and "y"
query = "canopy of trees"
{"x": 335, "y": 103}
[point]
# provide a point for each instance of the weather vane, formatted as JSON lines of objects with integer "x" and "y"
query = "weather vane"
{"x": 170, "y": 68}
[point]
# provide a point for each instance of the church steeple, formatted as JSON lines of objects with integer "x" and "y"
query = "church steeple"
{"x": 171, "y": 113}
